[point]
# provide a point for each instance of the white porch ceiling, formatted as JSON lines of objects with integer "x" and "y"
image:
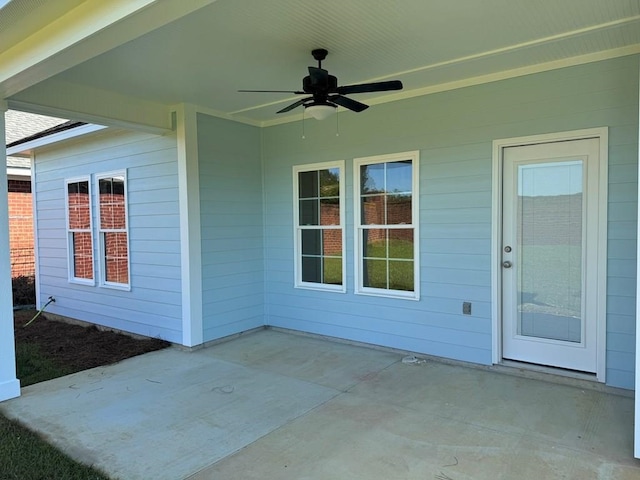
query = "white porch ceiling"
{"x": 204, "y": 57}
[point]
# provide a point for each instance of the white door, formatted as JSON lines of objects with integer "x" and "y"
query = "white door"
{"x": 549, "y": 254}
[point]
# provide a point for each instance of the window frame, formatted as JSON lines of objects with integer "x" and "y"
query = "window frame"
{"x": 297, "y": 228}
{"x": 102, "y": 270}
{"x": 360, "y": 289}
{"x": 69, "y": 232}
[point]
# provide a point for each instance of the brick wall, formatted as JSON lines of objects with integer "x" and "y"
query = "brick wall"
{"x": 21, "y": 228}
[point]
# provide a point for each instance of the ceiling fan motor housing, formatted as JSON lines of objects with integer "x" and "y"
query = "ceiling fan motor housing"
{"x": 315, "y": 85}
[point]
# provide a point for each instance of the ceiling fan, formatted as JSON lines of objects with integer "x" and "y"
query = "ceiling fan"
{"x": 325, "y": 94}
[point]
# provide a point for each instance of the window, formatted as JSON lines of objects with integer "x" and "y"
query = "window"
{"x": 79, "y": 238}
{"x": 319, "y": 228}
{"x": 386, "y": 220}
{"x": 112, "y": 230}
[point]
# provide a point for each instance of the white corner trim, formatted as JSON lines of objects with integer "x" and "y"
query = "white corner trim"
{"x": 637, "y": 389}
{"x": 27, "y": 147}
{"x": 9, "y": 388}
{"x": 602, "y": 133}
{"x": 190, "y": 230}
{"x": 36, "y": 248}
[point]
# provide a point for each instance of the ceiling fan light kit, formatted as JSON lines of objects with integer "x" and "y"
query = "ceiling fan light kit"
{"x": 325, "y": 93}
{"x": 320, "y": 112}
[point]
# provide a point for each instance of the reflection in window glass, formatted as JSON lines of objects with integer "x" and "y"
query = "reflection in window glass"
{"x": 319, "y": 229}
{"x": 388, "y": 258}
{"x": 386, "y": 225}
{"x": 398, "y": 177}
{"x": 372, "y": 178}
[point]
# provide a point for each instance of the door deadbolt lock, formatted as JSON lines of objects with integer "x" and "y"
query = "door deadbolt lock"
{"x": 506, "y": 264}
{"x": 507, "y": 249}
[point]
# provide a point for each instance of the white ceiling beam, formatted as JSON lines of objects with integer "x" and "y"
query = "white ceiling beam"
{"x": 88, "y": 30}
{"x": 92, "y": 105}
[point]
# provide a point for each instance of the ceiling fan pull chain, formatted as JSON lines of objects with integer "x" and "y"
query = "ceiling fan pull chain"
{"x": 303, "y": 137}
{"x": 337, "y": 126}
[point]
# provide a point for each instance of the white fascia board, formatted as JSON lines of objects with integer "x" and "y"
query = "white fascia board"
{"x": 27, "y": 147}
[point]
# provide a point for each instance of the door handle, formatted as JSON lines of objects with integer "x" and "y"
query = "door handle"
{"x": 506, "y": 264}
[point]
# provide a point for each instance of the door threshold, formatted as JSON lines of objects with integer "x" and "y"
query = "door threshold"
{"x": 584, "y": 380}
{"x": 563, "y": 372}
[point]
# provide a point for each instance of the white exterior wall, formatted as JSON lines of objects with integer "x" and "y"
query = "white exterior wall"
{"x": 153, "y": 305}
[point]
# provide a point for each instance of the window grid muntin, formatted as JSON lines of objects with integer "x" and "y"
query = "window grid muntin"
{"x": 303, "y": 173}
{"x": 359, "y": 166}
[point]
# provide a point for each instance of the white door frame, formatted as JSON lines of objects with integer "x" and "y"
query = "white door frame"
{"x": 637, "y": 386}
{"x": 496, "y": 235}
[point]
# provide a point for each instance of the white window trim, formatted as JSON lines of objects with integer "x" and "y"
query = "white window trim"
{"x": 297, "y": 238}
{"x": 101, "y": 247}
{"x": 414, "y": 156}
{"x": 70, "y": 251}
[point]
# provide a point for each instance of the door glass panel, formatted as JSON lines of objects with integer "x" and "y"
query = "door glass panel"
{"x": 549, "y": 250}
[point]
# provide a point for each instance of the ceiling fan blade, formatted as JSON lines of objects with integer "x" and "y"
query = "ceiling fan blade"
{"x": 297, "y": 92}
{"x": 370, "y": 87}
{"x": 348, "y": 103}
{"x": 294, "y": 105}
{"x": 318, "y": 75}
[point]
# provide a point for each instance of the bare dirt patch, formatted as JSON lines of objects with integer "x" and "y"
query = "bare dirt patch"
{"x": 78, "y": 347}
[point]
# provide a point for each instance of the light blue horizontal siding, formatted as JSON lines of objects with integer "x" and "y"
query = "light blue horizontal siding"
{"x": 231, "y": 226}
{"x": 454, "y": 132}
{"x": 621, "y": 286}
{"x": 153, "y": 305}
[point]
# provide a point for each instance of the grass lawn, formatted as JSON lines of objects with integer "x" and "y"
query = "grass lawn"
{"x": 25, "y": 456}
{"x": 44, "y": 350}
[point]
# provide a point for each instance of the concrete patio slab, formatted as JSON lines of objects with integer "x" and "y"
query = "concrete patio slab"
{"x": 273, "y": 405}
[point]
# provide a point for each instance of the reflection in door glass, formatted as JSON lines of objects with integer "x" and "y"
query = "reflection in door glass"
{"x": 549, "y": 252}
